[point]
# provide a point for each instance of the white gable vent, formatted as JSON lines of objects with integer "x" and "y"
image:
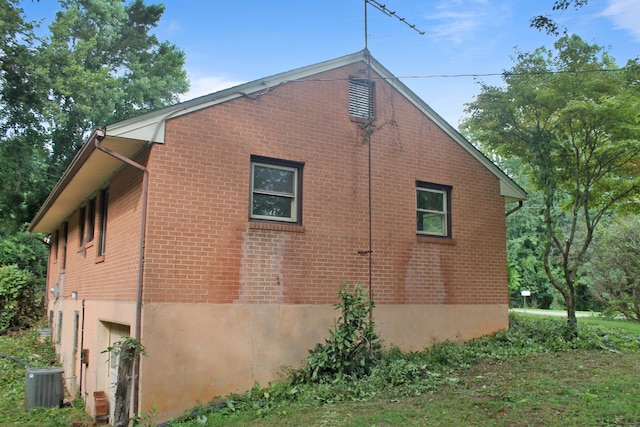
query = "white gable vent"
{"x": 361, "y": 98}
{"x": 44, "y": 387}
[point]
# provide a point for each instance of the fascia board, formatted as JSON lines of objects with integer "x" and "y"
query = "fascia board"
{"x": 88, "y": 172}
{"x": 150, "y": 126}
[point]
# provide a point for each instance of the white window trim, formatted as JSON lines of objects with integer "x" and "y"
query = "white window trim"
{"x": 294, "y": 197}
{"x": 443, "y": 213}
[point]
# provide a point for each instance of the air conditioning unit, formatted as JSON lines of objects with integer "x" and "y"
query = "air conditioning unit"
{"x": 45, "y": 387}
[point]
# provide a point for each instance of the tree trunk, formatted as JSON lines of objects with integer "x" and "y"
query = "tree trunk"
{"x": 123, "y": 387}
{"x": 572, "y": 321}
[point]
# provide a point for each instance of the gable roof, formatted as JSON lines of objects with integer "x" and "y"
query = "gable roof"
{"x": 91, "y": 167}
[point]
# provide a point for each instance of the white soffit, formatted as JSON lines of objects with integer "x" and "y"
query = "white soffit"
{"x": 81, "y": 181}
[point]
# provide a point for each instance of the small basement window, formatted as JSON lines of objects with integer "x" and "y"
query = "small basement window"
{"x": 361, "y": 100}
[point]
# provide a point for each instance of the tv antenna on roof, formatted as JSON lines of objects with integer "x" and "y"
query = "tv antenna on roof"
{"x": 383, "y": 8}
{"x": 369, "y": 127}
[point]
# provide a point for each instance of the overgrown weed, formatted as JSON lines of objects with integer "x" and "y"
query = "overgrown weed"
{"x": 398, "y": 374}
{"x": 21, "y": 350}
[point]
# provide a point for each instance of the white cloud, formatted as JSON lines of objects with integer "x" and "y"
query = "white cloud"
{"x": 174, "y": 27}
{"x": 462, "y": 20}
{"x": 208, "y": 84}
{"x": 625, "y": 15}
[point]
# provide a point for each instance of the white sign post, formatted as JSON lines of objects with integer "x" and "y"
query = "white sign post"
{"x": 525, "y": 294}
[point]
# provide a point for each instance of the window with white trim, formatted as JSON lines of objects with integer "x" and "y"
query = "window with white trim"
{"x": 276, "y": 190}
{"x": 433, "y": 203}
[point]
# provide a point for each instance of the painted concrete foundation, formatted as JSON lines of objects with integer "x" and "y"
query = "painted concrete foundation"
{"x": 199, "y": 351}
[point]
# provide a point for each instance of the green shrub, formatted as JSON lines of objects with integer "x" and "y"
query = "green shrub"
{"x": 26, "y": 251}
{"x": 352, "y": 347}
{"x": 19, "y": 301}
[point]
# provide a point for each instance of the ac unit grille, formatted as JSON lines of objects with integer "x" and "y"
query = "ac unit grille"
{"x": 44, "y": 387}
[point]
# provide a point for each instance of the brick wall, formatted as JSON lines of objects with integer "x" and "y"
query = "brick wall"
{"x": 112, "y": 276}
{"x": 201, "y": 247}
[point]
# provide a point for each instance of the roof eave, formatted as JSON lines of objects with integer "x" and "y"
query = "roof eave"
{"x": 150, "y": 126}
{"x": 88, "y": 172}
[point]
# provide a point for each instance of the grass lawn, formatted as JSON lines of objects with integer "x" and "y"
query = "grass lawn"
{"x": 25, "y": 346}
{"x": 622, "y": 325}
{"x": 626, "y": 326}
{"x": 573, "y": 388}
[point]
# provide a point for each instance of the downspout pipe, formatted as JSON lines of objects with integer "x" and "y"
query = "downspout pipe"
{"x": 100, "y": 135}
{"x": 82, "y": 362}
{"x": 517, "y": 208}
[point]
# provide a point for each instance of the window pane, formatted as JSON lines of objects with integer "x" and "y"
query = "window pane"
{"x": 65, "y": 230}
{"x": 430, "y": 200}
{"x": 273, "y": 179}
{"x": 104, "y": 207}
{"x": 81, "y": 219}
{"x": 275, "y": 206}
{"x": 431, "y": 223}
{"x": 91, "y": 219}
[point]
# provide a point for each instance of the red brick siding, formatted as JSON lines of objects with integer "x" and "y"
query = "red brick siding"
{"x": 115, "y": 277}
{"x": 202, "y": 248}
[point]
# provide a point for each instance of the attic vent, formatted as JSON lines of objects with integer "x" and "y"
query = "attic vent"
{"x": 361, "y": 98}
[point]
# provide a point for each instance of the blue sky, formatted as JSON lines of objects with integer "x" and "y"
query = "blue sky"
{"x": 232, "y": 42}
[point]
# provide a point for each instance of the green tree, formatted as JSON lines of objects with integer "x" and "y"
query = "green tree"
{"x": 98, "y": 63}
{"x": 525, "y": 234}
{"x": 571, "y": 116}
{"x": 104, "y": 65}
{"x": 22, "y": 142}
{"x": 614, "y": 266}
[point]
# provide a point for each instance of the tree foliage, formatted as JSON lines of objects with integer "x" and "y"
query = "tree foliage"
{"x": 548, "y": 24}
{"x": 18, "y": 291}
{"x": 614, "y": 267}
{"x": 22, "y": 143}
{"x": 25, "y": 251}
{"x": 525, "y": 237}
{"x": 98, "y": 63}
{"x": 104, "y": 65}
{"x": 571, "y": 116}
{"x": 22, "y": 279}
